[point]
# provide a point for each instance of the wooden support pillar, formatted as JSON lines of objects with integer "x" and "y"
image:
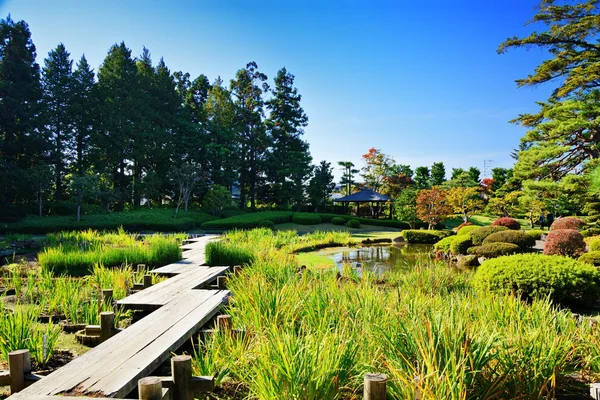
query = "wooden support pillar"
{"x": 375, "y": 387}
{"x": 141, "y": 267}
{"x": 221, "y": 282}
{"x": 19, "y": 365}
{"x": 147, "y": 281}
{"x": 237, "y": 269}
{"x": 224, "y": 322}
{"x": 595, "y": 391}
{"x": 181, "y": 372}
{"x": 357, "y": 209}
{"x": 107, "y": 296}
{"x": 150, "y": 388}
{"x": 107, "y": 322}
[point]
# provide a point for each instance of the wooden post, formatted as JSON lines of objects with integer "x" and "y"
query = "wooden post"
{"x": 221, "y": 280}
{"x": 237, "y": 269}
{"x": 150, "y": 388}
{"x": 107, "y": 296}
{"x": 107, "y": 322}
{"x": 141, "y": 267}
{"x": 181, "y": 372}
{"x": 19, "y": 364}
{"x": 147, "y": 281}
{"x": 375, "y": 387}
{"x": 595, "y": 391}
{"x": 224, "y": 322}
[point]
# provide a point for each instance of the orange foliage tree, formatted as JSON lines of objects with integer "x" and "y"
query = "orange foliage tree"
{"x": 432, "y": 206}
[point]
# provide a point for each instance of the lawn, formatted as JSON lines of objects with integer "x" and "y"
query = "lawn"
{"x": 482, "y": 220}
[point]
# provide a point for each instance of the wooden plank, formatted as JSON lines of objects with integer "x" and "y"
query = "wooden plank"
{"x": 4, "y": 378}
{"x": 21, "y": 396}
{"x": 158, "y": 335}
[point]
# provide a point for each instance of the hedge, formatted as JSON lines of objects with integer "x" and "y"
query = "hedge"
{"x": 508, "y": 222}
{"x": 493, "y": 250}
{"x": 593, "y": 257}
{"x": 444, "y": 244}
{"x": 353, "y": 223}
{"x": 465, "y": 230}
{"x": 533, "y": 275}
{"x": 251, "y": 220}
{"x": 461, "y": 245}
{"x": 567, "y": 223}
{"x": 520, "y": 238}
{"x": 478, "y": 235}
{"x": 424, "y": 236}
{"x": 306, "y": 219}
{"x": 338, "y": 221}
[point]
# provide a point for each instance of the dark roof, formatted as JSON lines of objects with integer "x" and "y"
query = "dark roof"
{"x": 364, "y": 195}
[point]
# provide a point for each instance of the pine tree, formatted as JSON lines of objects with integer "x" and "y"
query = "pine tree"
{"x": 58, "y": 90}
{"x": 21, "y": 143}
{"x": 422, "y": 178}
{"x": 348, "y": 175}
{"x": 438, "y": 174}
{"x": 83, "y": 111}
{"x": 289, "y": 161}
{"x": 321, "y": 185}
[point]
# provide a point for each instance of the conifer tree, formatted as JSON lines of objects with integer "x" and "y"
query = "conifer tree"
{"x": 83, "y": 111}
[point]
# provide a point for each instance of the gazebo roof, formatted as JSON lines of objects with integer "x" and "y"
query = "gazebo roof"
{"x": 364, "y": 196}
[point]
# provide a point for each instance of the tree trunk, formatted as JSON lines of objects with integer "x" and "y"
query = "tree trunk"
{"x": 137, "y": 177}
{"x": 531, "y": 219}
{"x": 40, "y": 201}
{"x": 122, "y": 185}
{"x": 78, "y": 212}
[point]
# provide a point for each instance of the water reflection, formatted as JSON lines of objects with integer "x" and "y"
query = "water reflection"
{"x": 380, "y": 259}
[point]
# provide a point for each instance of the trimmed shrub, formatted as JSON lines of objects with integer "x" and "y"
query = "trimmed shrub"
{"x": 467, "y": 261}
{"x": 265, "y": 219}
{"x": 424, "y": 236}
{"x": 508, "y": 222}
{"x": 444, "y": 244}
{"x": 532, "y": 275}
{"x": 223, "y": 253}
{"x": 520, "y": 238}
{"x": 564, "y": 242}
{"x": 567, "y": 223}
{"x": 590, "y": 232}
{"x": 467, "y": 230}
{"x": 536, "y": 234}
{"x": 593, "y": 257}
{"x": 458, "y": 228}
{"x": 306, "y": 219}
{"x": 353, "y": 223}
{"x": 593, "y": 242}
{"x": 478, "y": 235}
{"x": 493, "y": 250}
{"x": 338, "y": 221}
{"x": 461, "y": 245}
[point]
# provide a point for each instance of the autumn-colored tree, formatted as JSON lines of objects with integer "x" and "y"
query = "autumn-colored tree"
{"x": 487, "y": 185}
{"x": 505, "y": 206}
{"x": 378, "y": 166}
{"x": 465, "y": 201}
{"x": 432, "y": 206}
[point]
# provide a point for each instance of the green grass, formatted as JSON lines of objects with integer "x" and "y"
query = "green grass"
{"x": 315, "y": 260}
{"x": 160, "y": 220}
{"x": 481, "y": 220}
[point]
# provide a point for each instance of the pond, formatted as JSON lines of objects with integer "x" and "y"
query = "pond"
{"x": 378, "y": 258}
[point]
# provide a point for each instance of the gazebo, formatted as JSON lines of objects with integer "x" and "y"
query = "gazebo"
{"x": 365, "y": 196}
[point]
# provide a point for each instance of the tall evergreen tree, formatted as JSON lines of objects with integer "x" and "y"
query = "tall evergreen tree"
{"x": 21, "y": 143}
{"x": 248, "y": 88}
{"x": 422, "y": 178}
{"x": 438, "y": 174}
{"x": 83, "y": 112}
{"x": 348, "y": 175}
{"x": 58, "y": 90}
{"x": 321, "y": 185}
{"x": 289, "y": 162}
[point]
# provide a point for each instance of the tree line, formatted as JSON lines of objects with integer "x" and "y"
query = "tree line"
{"x": 134, "y": 131}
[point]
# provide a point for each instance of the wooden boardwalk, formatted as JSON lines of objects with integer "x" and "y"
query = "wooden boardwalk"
{"x": 113, "y": 368}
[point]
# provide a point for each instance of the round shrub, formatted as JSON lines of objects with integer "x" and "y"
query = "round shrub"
{"x": 465, "y": 230}
{"x": 424, "y": 236}
{"x": 353, "y": 223}
{"x": 536, "y": 234}
{"x": 520, "y": 238}
{"x": 593, "y": 242}
{"x": 508, "y": 222}
{"x": 564, "y": 242}
{"x": 444, "y": 244}
{"x": 458, "y": 228}
{"x": 493, "y": 250}
{"x": 593, "y": 257}
{"x": 478, "y": 235}
{"x": 306, "y": 219}
{"x": 567, "y": 223}
{"x": 531, "y": 275}
{"x": 467, "y": 261}
{"x": 461, "y": 245}
{"x": 338, "y": 221}
{"x": 590, "y": 232}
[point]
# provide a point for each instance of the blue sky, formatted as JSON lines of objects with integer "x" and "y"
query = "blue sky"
{"x": 421, "y": 81}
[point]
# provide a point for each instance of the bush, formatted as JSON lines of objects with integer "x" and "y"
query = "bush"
{"x": 478, "y": 235}
{"x": 593, "y": 257}
{"x": 536, "y": 234}
{"x": 223, "y": 253}
{"x": 508, "y": 222}
{"x": 520, "y": 238}
{"x": 264, "y": 219}
{"x": 424, "y": 236}
{"x": 534, "y": 275}
{"x": 444, "y": 244}
{"x": 458, "y": 228}
{"x": 593, "y": 242}
{"x": 461, "y": 244}
{"x": 564, "y": 242}
{"x": 493, "y": 250}
{"x": 590, "y": 232}
{"x": 306, "y": 219}
{"x": 338, "y": 221}
{"x": 467, "y": 230}
{"x": 467, "y": 261}
{"x": 567, "y": 223}
{"x": 353, "y": 223}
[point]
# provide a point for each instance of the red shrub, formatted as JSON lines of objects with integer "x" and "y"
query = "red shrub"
{"x": 564, "y": 242}
{"x": 567, "y": 223}
{"x": 463, "y": 224}
{"x": 508, "y": 222}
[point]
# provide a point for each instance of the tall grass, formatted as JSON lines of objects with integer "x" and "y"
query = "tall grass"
{"x": 314, "y": 334}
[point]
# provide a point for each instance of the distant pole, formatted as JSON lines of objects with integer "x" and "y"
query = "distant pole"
{"x": 487, "y": 167}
